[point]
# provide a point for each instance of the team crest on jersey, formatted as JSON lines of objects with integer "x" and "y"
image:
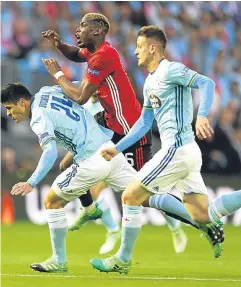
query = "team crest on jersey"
{"x": 155, "y": 101}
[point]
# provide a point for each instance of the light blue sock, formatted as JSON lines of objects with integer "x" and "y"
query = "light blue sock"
{"x": 58, "y": 230}
{"x": 131, "y": 227}
{"x": 107, "y": 218}
{"x": 224, "y": 205}
{"x": 169, "y": 203}
{"x": 172, "y": 223}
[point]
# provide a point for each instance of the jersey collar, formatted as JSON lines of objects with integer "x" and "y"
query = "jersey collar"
{"x": 100, "y": 46}
{"x": 157, "y": 66}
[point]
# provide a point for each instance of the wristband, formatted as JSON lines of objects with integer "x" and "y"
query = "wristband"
{"x": 58, "y": 74}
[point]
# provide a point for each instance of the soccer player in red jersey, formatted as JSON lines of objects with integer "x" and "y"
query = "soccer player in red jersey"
{"x": 106, "y": 78}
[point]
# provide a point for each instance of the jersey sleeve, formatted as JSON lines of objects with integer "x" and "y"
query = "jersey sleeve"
{"x": 180, "y": 74}
{"x": 84, "y": 53}
{"x": 147, "y": 103}
{"x": 43, "y": 127}
{"x": 99, "y": 67}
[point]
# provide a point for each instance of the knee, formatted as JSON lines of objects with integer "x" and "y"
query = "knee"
{"x": 132, "y": 196}
{"x": 53, "y": 201}
{"x": 127, "y": 198}
{"x": 52, "y": 204}
{"x": 49, "y": 204}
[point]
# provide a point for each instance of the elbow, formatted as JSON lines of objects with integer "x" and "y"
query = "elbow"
{"x": 209, "y": 83}
{"x": 81, "y": 101}
{"x": 78, "y": 99}
{"x": 52, "y": 154}
{"x": 148, "y": 121}
{"x": 212, "y": 83}
{"x": 206, "y": 82}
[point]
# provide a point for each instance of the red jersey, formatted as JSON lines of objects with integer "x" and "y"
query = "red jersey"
{"x": 115, "y": 92}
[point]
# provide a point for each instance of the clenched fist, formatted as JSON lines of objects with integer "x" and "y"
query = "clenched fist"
{"x": 108, "y": 153}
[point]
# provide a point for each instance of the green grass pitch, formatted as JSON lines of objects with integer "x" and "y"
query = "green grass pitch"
{"x": 155, "y": 262}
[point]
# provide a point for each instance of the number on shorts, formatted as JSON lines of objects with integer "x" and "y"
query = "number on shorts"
{"x": 129, "y": 157}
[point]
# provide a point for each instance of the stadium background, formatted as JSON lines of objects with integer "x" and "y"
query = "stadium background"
{"x": 206, "y": 36}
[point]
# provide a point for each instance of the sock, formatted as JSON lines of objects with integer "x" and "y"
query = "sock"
{"x": 169, "y": 203}
{"x": 58, "y": 230}
{"x": 131, "y": 227}
{"x": 224, "y": 205}
{"x": 172, "y": 223}
{"x": 107, "y": 218}
{"x": 86, "y": 199}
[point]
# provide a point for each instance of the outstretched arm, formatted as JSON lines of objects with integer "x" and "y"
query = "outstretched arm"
{"x": 70, "y": 52}
{"x": 206, "y": 88}
{"x": 79, "y": 94}
{"x": 181, "y": 75}
{"x": 140, "y": 128}
{"x": 46, "y": 162}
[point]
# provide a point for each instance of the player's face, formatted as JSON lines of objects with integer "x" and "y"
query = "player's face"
{"x": 18, "y": 112}
{"x": 142, "y": 51}
{"x": 84, "y": 33}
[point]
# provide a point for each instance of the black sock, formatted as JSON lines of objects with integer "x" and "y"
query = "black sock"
{"x": 179, "y": 218}
{"x": 86, "y": 199}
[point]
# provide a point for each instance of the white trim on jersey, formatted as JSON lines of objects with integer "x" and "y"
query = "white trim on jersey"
{"x": 117, "y": 104}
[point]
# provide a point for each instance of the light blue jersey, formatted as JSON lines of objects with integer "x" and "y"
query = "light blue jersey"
{"x": 54, "y": 116}
{"x": 167, "y": 98}
{"x": 167, "y": 91}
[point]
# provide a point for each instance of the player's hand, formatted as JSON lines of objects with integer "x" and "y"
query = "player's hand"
{"x": 22, "y": 188}
{"x": 51, "y": 65}
{"x": 66, "y": 161}
{"x": 203, "y": 128}
{"x": 62, "y": 166}
{"x": 53, "y": 37}
{"x": 94, "y": 97}
{"x": 108, "y": 153}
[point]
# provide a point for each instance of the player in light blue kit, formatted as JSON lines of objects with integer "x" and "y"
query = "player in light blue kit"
{"x": 57, "y": 120}
{"x": 167, "y": 98}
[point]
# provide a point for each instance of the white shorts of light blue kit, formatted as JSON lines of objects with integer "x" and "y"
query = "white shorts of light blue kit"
{"x": 175, "y": 169}
{"x": 78, "y": 178}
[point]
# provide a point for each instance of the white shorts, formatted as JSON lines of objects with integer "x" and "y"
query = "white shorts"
{"x": 174, "y": 168}
{"x": 78, "y": 178}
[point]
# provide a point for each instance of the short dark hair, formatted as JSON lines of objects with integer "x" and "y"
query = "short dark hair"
{"x": 13, "y": 92}
{"x": 154, "y": 32}
{"x": 100, "y": 19}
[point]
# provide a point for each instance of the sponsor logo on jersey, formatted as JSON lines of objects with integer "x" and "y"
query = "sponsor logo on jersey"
{"x": 93, "y": 72}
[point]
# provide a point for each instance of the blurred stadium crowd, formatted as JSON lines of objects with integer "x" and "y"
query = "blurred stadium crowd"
{"x": 206, "y": 36}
